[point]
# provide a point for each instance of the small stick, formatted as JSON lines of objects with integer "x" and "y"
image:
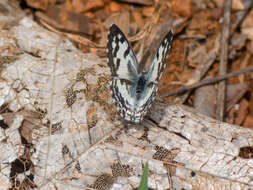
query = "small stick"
{"x": 221, "y": 96}
{"x": 204, "y": 82}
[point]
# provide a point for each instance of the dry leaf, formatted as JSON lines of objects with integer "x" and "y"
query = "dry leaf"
{"x": 70, "y": 21}
{"x": 114, "y": 6}
{"x": 243, "y": 111}
{"x": 81, "y": 6}
{"x": 41, "y": 4}
{"x": 148, "y": 11}
{"x": 139, "y": 2}
{"x": 248, "y": 122}
{"x": 121, "y": 19}
{"x": 236, "y": 4}
{"x": 205, "y": 100}
{"x": 182, "y": 7}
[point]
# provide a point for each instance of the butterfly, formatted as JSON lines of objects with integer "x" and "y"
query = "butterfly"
{"x": 133, "y": 92}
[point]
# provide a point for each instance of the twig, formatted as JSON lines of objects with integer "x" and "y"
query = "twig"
{"x": 223, "y": 61}
{"x": 206, "y": 82}
{"x": 196, "y": 36}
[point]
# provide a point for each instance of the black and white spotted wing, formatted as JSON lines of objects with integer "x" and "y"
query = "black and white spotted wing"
{"x": 133, "y": 92}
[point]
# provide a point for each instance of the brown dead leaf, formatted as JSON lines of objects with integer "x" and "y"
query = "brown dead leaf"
{"x": 30, "y": 123}
{"x": 231, "y": 115}
{"x": 205, "y": 100}
{"x": 238, "y": 41}
{"x": 250, "y": 48}
{"x": 7, "y": 120}
{"x": 148, "y": 11}
{"x": 247, "y": 25}
{"x": 248, "y": 121}
{"x": 242, "y": 112}
{"x": 84, "y": 5}
{"x": 138, "y": 2}
{"x": 201, "y": 23}
{"x": 121, "y": 19}
{"x": 182, "y": 7}
{"x": 216, "y": 13}
{"x": 251, "y": 103}
{"x": 27, "y": 129}
{"x": 93, "y": 50}
{"x": 101, "y": 14}
{"x": 175, "y": 61}
{"x": 197, "y": 55}
{"x": 243, "y": 65}
{"x": 234, "y": 93}
{"x": 248, "y": 32}
{"x": 236, "y": 4}
{"x": 138, "y": 19}
{"x": 40, "y": 4}
{"x": 114, "y": 6}
{"x": 69, "y": 21}
{"x": 248, "y": 21}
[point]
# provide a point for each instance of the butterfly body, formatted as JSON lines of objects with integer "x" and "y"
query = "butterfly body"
{"x": 133, "y": 92}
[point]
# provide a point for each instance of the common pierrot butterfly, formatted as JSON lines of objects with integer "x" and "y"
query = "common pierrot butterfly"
{"x": 133, "y": 92}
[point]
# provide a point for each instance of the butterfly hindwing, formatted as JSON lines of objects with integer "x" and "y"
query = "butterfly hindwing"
{"x": 133, "y": 92}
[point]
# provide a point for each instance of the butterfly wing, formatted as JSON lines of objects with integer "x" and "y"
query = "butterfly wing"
{"x": 159, "y": 61}
{"x": 121, "y": 58}
{"x": 123, "y": 65}
{"x": 133, "y": 92}
{"x": 153, "y": 75}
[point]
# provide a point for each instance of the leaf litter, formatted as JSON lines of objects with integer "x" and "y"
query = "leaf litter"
{"x": 58, "y": 121}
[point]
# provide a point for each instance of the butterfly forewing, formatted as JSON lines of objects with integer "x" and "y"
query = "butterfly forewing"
{"x": 133, "y": 92}
{"x": 159, "y": 60}
{"x": 122, "y": 60}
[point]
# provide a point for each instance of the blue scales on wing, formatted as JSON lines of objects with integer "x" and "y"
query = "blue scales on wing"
{"x": 133, "y": 92}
